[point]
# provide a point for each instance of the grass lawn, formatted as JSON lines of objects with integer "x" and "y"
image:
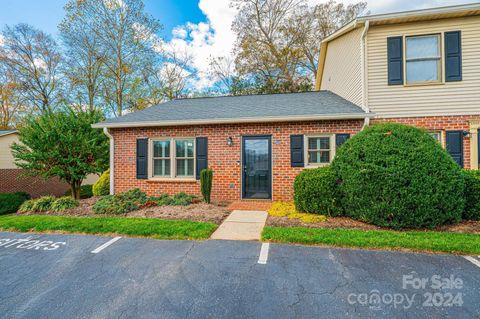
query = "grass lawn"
{"x": 457, "y": 243}
{"x": 142, "y": 227}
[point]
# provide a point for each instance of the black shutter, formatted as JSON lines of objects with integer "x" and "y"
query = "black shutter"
{"x": 142, "y": 158}
{"x": 341, "y": 138}
{"x": 455, "y": 145}
{"x": 453, "y": 56}
{"x": 202, "y": 155}
{"x": 395, "y": 60}
{"x": 296, "y": 150}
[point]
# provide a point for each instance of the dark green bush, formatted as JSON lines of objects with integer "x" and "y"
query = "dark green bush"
{"x": 11, "y": 202}
{"x": 315, "y": 191}
{"x": 64, "y": 203}
{"x": 472, "y": 195}
{"x": 134, "y": 195}
{"x": 112, "y": 204}
{"x": 206, "y": 179}
{"x": 162, "y": 200}
{"x": 85, "y": 191}
{"x": 102, "y": 186}
{"x": 397, "y": 176}
{"x": 182, "y": 199}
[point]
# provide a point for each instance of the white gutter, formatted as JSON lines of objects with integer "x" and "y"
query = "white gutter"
{"x": 313, "y": 117}
{"x": 112, "y": 159}
{"x": 364, "y": 72}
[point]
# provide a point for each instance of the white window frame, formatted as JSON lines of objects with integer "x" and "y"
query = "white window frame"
{"x": 173, "y": 158}
{"x": 441, "y": 68}
{"x": 441, "y": 138}
{"x": 306, "y": 149}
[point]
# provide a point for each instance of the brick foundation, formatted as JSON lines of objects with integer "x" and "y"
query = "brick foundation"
{"x": 12, "y": 180}
{"x": 224, "y": 160}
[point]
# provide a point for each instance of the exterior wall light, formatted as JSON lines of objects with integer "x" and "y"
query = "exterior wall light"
{"x": 467, "y": 134}
{"x": 229, "y": 141}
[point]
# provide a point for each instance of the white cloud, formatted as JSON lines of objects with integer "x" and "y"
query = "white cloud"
{"x": 215, "y": 38}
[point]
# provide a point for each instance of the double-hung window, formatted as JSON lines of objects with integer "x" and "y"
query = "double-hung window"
{"x": 173, "y": 158}
{"x": 320, "y": 149}
{"x": 423, "y": 59}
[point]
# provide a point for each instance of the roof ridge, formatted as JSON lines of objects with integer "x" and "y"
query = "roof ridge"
{"x": 243, "y": 95}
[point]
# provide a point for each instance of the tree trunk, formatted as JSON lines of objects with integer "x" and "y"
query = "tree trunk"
{"x": 75, "y": 188}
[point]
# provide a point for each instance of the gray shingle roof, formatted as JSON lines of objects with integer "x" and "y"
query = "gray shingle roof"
{"x": 246, "y": 108}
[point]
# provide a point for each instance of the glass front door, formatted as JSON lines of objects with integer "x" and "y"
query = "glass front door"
{"x": 257, "y": 167}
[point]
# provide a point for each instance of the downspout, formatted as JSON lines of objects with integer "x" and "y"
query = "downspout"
{"x": 364, "y": 73}
{"x": 112, "y": 157}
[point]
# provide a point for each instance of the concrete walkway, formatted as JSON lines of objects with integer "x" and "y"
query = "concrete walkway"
{"x": 242, "y": 225}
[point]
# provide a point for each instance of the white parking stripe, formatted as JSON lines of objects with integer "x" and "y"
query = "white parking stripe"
{"x": 262, "y": 259}
{"x": 108, "y": 243}
{"x": 472, "y": 260}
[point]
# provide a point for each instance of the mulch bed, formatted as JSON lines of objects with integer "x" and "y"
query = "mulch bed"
{"x": 196, "y": 212}
{"x": 467, "y": 226}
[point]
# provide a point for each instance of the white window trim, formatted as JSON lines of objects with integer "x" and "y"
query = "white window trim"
{"x": 332, "y": 149}
{"x": 173, "y": 159}
{"x": 441, "y": 71}
{"x": 442, "y": 138}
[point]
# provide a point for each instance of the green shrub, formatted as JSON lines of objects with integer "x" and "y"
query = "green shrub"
{"x": 206, "y": 179}
{"x": 11, "y": 202}
{"x": 41, "y": 204}
{"x": 397, "y": 176}
{"x": 162, "y": 200}
{"x": 315, "y": 191}
{"x": 182, "y": 199}
{"x": 27, "y": 206}
{"x": 64, "y": 203}
{"x": 134, "y": 195}
{"x": 112, "y": 204}
{"x": 120, "y": 203}
{"x": 86, "y": 191}
{"x": 102, "y": 186}
{"x": 472, "y": 195}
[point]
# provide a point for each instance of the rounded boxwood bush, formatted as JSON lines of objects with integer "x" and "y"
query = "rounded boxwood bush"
{"x": 102, "y": 186}
{"x": 398, "y": 176}
{"x": 315, "y": 191}
{"x": 10, "y": 202}
{"x": 472, "y": 195}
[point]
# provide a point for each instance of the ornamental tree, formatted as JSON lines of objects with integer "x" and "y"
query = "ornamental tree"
{"x": 64, "y": 145}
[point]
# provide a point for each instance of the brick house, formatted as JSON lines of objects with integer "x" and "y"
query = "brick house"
{"x": 419, "y": 68}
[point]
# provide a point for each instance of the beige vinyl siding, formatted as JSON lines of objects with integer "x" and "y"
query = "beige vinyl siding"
{"x": 448, "y": 98}
{"x": 6, "y": 158}
{"x": 343, "y": 72}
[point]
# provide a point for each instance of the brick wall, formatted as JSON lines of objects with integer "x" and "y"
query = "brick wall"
{"x": 224, "y": 160}
{"x": 12, "y": 180}
{"x": 442, "y": 124}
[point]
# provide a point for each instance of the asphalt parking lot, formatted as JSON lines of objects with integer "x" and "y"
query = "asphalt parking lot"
{"x": 59, "y": 276}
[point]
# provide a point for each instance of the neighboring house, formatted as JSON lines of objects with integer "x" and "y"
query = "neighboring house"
{"x": 257, "y": 144}
{"x": 419, "y": 67}
{"x": 13, "y": 179}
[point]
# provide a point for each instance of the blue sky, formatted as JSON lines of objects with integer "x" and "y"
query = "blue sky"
{"x": 46, "y": 14}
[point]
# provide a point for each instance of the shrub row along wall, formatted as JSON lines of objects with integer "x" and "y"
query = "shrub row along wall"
{"x": 12, "y": 180}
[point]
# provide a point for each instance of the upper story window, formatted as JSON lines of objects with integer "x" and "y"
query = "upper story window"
{"x": 423, "y": 59}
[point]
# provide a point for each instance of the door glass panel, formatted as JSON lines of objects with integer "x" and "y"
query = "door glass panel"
{"x": 256, "y": 168}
